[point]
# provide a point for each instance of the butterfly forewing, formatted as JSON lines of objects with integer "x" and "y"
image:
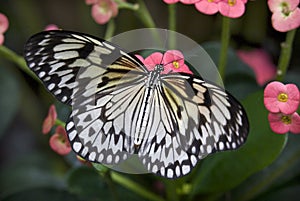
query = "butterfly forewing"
{"x": 169, "y": 125}
{"x": 58, "y": 57}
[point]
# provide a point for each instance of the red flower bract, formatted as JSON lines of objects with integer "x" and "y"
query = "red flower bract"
{"x": 59, "y": 141}
{"x": 49, "y": 120}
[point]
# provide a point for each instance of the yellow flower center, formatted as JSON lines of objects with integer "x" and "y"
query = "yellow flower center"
{"x": 231, "y": 2}
{"x": 175, "y": 64}
{"x": 282, "y": 97}
{"x": 286, "y": 119}
{"x": 285, "y": 9}
{"x": 210, "y": 1}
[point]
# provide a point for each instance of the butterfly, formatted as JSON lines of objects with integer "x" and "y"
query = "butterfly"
{"x": 121, "y": 109}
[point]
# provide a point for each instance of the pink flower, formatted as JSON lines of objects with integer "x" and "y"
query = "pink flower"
{"x": 232, "y": 8}
{"x": 281, "y": 123}
{"x": 51, "y": 27}
{"x": 172, "y": 61}
{"x": 182, "y": 1}
{"x": 49, "y": 120}
{"x": 3, "y": 27}
{"x": 286, "y": 14}
{"x": 103, "y": 10}
{"x": 208, "y": 7}
{"x": 228, "y": 8}
{"x": 281, "y": 98}
{"x": 260, "y": 62}
{"x": 59, "y": 141}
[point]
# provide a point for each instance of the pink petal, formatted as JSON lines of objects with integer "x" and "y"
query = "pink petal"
{"x": 276, "y": 5}
{"x": 189, "y": 1}
{"x": 171, "y": 1}
{"x": 174, "y": 62}
{"x": 51, "y": 27}
{"x": 3, "y": 23}
{"x": 232, "y": 11}
{"x": 104, "y": 10}
{"x": 152, "y": 60}
{"x": 49, "y": 120}
{"x": 276, "y": 123}
{"x": 140, "y": 57}
{"x": 260, "y": 62}
{"x": 1, "y": 39}
{"x": 284, "y": 23}
{"x": 292, "y": 104}
{"x": 207, "y": 7}
{"x": 59, "y": 142}
{"x": 173, "y": 55}
{"x": 89, "y": 2}
{"x": 295, "y": 125}
{"x": 58, "y": 145}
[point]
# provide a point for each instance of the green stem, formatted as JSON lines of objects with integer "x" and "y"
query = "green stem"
{"x": 110, "y": 29}
{"x": 285, "y": 55}
{"x": 137, "y": 188}
{"x": 172, "y": 17}
{"x": 171, "y": 190}
{"x": 12, "y": 56}
{"x": 144, "y": 15}
{"x": 172, "y": 25}
{"x": 225, "y": 38}
{"x": 126, "y": 5}
{"x": 59, "y": 122}
{"x": 111, "y": 185}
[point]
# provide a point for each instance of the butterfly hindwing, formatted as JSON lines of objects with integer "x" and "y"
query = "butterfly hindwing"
{"x": 204, "y": 119}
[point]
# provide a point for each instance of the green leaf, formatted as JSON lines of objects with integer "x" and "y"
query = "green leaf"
{"x": 31, "y": 172}
{"x": 224, "y": 171}
{"x": 86, "y": 182}
{"x": 10, "y": 98}
{"x": 45, "y": 194}
{"x": 290, "y": 193}
{"x": 281, "y": 173}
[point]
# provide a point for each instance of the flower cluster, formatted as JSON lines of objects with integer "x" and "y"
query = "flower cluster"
{"x": 282, "y": 102}
{"x": 58, "y": 141}
{"x": 228, "y": 8}
{"x": 285, "y": 14}
{"x": 172, "y": 60}
{"x": 103, "y": 10}
{"x": 3, "y": 27}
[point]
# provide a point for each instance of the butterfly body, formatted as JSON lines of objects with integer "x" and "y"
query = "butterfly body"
{"x": 121, "y": 108}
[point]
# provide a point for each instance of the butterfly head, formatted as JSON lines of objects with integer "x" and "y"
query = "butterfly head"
{"x": 159, "y": 68}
